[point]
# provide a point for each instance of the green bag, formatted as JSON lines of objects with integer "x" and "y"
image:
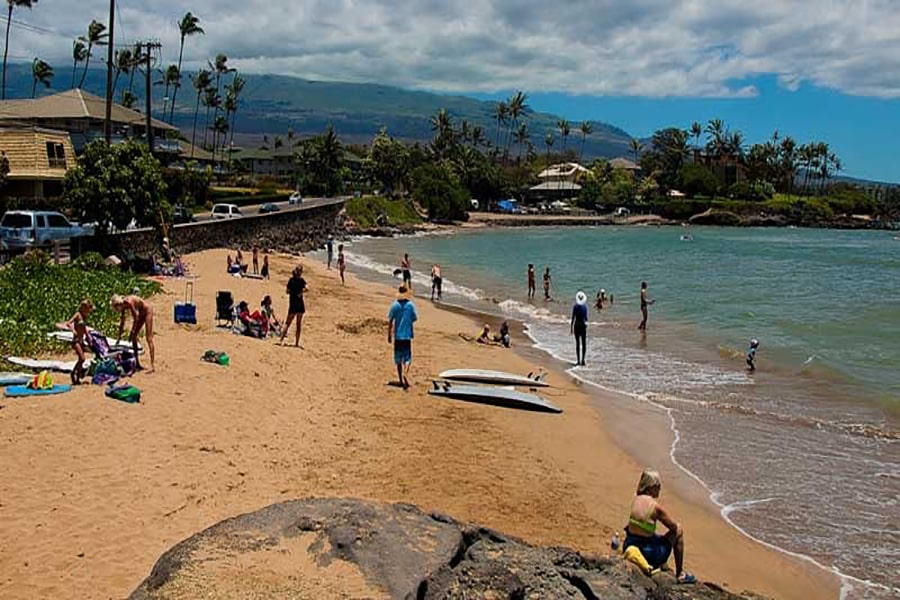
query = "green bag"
{"x": 219, "y": 358}
{"x": 126, "y": 393}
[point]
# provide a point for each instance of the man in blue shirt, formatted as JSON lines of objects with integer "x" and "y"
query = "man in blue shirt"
{"x": 401, "y": 317}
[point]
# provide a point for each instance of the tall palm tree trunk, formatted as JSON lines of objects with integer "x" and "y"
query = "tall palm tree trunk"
{"x": 206, "y": 126}
{"x": 87, "y": 61}
{"x": 177, "y": 84}
{"x": 194, "y": 131}
{"x": 74, "y": 69}
{"x": 6, "y": 48}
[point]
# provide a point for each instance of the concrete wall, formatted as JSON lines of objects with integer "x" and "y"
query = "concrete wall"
{"x": 292, "y": 229}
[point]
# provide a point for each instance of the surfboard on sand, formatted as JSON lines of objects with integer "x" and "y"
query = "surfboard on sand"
{"x": 497, "y": 396}
{"x": 7, "y": 378}
{"x": 67, "y": 336}
{"x": 19, "y": 391}
{"x": 493, "y": 377}
{"x": 40, "y": 365}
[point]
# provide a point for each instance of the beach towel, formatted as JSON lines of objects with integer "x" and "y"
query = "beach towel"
{"x": 18, "y": 391}
{"x": 126, "y": 393}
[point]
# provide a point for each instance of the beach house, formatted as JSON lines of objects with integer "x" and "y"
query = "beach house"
{"x": 38, "y": 159}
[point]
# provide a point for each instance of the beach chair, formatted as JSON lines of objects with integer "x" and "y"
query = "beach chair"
{"x": 224, "y": 307}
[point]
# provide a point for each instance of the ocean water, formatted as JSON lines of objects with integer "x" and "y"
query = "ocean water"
{"x": 804, "y": 454}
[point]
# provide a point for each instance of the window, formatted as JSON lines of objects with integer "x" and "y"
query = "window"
{"x": 56, "y": 155}
{"x": 16, "y": 220}
{"x": 41, "y": 221}
{"x": 58, "y": 221}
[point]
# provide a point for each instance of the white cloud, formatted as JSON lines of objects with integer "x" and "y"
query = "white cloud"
{"x": 593, "y": 47}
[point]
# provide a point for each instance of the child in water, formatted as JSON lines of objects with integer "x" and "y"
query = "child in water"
{"x": 751, "y": 354}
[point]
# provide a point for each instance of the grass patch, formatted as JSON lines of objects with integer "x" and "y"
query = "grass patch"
{"x": 35, "y": 294}
{"x": 366, "y": 210}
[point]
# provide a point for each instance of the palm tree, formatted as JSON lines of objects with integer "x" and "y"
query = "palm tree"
{"x": 715, "y": 143}
{"x": 128, "y": 99}
{"x": 201, "y": 83}
{"x": 188, "y": 26}
{"x": 501, "y": 112}
{"x": 96, "y": 36}
{"x": 210, "y": 99}
{"x": 290, "y": 138}
{"x": 278, "y": 142}
{"x": 521, "y": 137}
{"x": 564, "y": 129}
{"x": 220, "y": 67}
{"x": 40, "y": 72}
{"x": 586, "y": 130}
{"x": 515, "y": 107}
{"x": 636, "y": 148}
{"x": 124, "y": 61}
{"x": 735, "y": 145}
{"x": 170, "y": 78}
{"x": 442, "y": 126}
{"x": 220, "y": 125}
{"x": 477, "y": 136}
{"x": 11, "y": 4}
{"x": 548, "y": 141}
{"x": 807, "y": 156}
{"x": 136, "y": 59}
{"x": 79, "y": 53}
{"x": 235, "y": 89}
{"x": 696, "y": 132}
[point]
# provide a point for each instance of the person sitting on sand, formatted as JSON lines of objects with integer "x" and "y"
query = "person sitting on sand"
{"x": 78, "y": 325}
{"x": 268, "y": 311}
{"x": 255, "y": 324}
{"x": 142, "y": 318}
{"x": 646, "y": 511}
{"x": 503, "y": 336}
{"x": 485, "y": 337}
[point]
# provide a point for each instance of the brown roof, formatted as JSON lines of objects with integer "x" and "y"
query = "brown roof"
{"x": 184, "y": 152}
{"x": 73, "y": 104}
{"x": 624, "y": 163}
{"x": 26, "y": 149}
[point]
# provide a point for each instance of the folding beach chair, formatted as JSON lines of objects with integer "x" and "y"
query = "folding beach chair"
{"x": 224, "y": 307}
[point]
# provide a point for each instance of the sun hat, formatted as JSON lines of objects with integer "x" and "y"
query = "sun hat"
{"x": 403, "y": 293}
{"x": 580, "y": 298}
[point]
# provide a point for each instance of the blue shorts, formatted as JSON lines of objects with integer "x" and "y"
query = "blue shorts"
{"x": 656, "y": 549}
{"x": 402, "y": 352}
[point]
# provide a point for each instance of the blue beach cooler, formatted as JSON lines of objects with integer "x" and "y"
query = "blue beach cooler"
{"x": 186, "y": 312}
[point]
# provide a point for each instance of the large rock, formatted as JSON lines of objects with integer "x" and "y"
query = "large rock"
{"x": 349, "y": 548}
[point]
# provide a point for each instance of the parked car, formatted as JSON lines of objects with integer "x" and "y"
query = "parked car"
{"x": 269, "y": 207}
{"x": 226, "y": 211}
{"x": 22, "y": 229}
{"x": 295, "y": 198}
{"x": 622, "y": 212}
{"x": 182, "y": 214}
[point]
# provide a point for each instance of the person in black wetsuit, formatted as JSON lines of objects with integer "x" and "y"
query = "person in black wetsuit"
{"x": 578, "y": 327}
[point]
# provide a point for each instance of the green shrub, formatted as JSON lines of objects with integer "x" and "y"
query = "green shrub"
{"x": 91, "y": 261}
{"x": 696, "y": 180}
{"x": 365, "y": 211}
{"x": 755, "y": 191}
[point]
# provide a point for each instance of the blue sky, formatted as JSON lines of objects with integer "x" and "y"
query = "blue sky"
{"x": 816, "y": 69}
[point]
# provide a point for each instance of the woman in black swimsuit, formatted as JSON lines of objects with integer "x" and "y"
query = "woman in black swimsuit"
{"x": 296, "y": 286}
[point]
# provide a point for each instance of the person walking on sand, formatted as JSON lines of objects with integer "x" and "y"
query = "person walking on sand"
{"x": 405, "y": 268}
{"x": 265, "y": 267}
{"x": 547, "y": 283}
{"x": 329, "y": 247}
{"x": 78, "y": 325}
{"x": 578, "y": 327}
{"x": 436, "y": 281}
{"x": 296, "y": 287}
{"x": 641, "y": 534}
{"x": 401, "y": 317}
{"x": 645, "y": 302}
{"x": 342, "y": 262}
{"x": 531, "y": 281}
{"x": 255, "y": 259}
{"x": 141, "y": 318}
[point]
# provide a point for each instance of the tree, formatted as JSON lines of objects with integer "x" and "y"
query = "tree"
{"x": 696, "y": 180}
{"x": 290, "y": 139}
{"x": 188, "y": 26}
{"x": 79, "y": 54}
{"x": 4, "y": 169}
{"x": 437, "y": 188}
{"x": 715, "y": 141}
{"x": 442, "y": 126}
{"x": 388, "y": 161}
{"x": 123, "y": 61}
{"x": 516, "y": 107}
{"x": 11, "y": 4}
{"x": 234, "y": 90}
{"x": 586, "y": 130}
{"x": 636, "y": 149}
{"x": 170, "y": 78}
{"x": 128, "y": 99}
{"x": 665, "y": 157}
{"x": 96, "y": 36}
{"x": 521, "y": 138}
{"x": 501, "y": 112}
{"x": 41, "y": 72}
{"x": 696, "y": 132}
{"x": 112, "y": 185}
{"x": 210, "y": 99}
{"x": 564, "y": 129}
{"x": 319, "y": 161}
{"x": 278, "y": 142}
{"x": 201, "y": 83}
{"x": 220, "y": 66}
{"x": 548, "y": 141}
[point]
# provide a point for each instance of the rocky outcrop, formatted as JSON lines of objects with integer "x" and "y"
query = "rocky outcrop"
{"x": 338, "y": 548}
{"x": 716, "y": 217}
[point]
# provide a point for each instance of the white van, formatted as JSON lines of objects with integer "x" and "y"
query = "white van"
{"x": 226, "y": 211}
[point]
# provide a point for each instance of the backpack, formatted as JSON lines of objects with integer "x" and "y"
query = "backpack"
{"x": 126, "y": 393}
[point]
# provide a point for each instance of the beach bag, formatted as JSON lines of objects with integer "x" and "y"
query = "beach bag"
{"x": 41, "y": 381}
{"x": 127, "y": 362}
{"x": 218, "y": 358}
{"x": 97, "y": 343}
{"x": 186, "y": 312}
{"x": 126, "y": 393}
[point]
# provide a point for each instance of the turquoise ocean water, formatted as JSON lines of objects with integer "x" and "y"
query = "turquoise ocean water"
{"x": 805, "y": 453}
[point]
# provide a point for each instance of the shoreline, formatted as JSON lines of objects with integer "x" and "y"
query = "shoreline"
{"x": 95, "y": 490}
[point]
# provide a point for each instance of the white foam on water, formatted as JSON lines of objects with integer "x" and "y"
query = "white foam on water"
{"x": 420, "y": 280}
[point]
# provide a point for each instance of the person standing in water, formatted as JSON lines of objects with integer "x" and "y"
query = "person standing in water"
{"x": 342, "y": 262}
{"x": 578, "y": 327}
{"x": 751, "y": 354}
{"x": 546, "y": 283}
{"x": 436, "y": 281}
{"x": 405, "y": 268}
{"x": 645, "y": 302}
{"x": 531, "y": 281}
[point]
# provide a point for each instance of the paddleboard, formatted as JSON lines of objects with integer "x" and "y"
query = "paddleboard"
{"x": 493, "y": 377}
{"x": 497, "y": 396}
{"x": 114, "y": 346}
{"x": 39, "y": 365}
{"x": 19, "y": 391}
{"x": 7, "y": 378}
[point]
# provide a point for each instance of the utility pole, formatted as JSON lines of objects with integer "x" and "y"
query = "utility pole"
{"x": 107, "y": 124}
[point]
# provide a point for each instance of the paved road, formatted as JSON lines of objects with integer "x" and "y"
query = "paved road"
{"x": 282, "y": 206}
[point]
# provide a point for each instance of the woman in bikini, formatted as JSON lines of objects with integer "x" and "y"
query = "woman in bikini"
{"x": 142, "y": 317}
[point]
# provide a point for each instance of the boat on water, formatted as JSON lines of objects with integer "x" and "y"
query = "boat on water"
{"x": 687, "y": 238}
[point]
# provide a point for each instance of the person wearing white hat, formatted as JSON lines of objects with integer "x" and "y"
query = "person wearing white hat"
{"x": 578, "y": 326}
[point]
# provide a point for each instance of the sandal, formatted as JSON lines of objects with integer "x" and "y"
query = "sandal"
{"x": 687, "y": 578}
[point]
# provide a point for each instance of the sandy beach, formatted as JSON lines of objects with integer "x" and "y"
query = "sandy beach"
{"x": 92, "y": 490}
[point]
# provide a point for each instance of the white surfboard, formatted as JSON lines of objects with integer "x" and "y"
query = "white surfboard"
{"x": 7, "y": 378}
{"x": 40, "y": 365}
{"x": 497, "y": 396}
{"x": 67, "y": 336}
{"x": 492, "y": 377}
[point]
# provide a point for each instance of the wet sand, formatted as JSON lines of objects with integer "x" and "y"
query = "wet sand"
{"x": 92, "y": 490}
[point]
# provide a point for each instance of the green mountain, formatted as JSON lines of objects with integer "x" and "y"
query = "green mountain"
{"x": 272, "y": 103}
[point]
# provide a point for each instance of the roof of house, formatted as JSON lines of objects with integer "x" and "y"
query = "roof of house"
{"x": 553, "y": 186}
{"x": 26, "y": 150}
{"x": 184, "y": 152}
{"x": 568, "y": 169}
{"x": 73, "y": 104}
{"x": 624, "y": 163}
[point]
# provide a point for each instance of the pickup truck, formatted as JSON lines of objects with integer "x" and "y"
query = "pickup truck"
{"x": 24, "y": 229}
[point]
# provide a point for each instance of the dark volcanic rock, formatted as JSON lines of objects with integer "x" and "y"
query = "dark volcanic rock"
{"x": 341, "y": 548}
